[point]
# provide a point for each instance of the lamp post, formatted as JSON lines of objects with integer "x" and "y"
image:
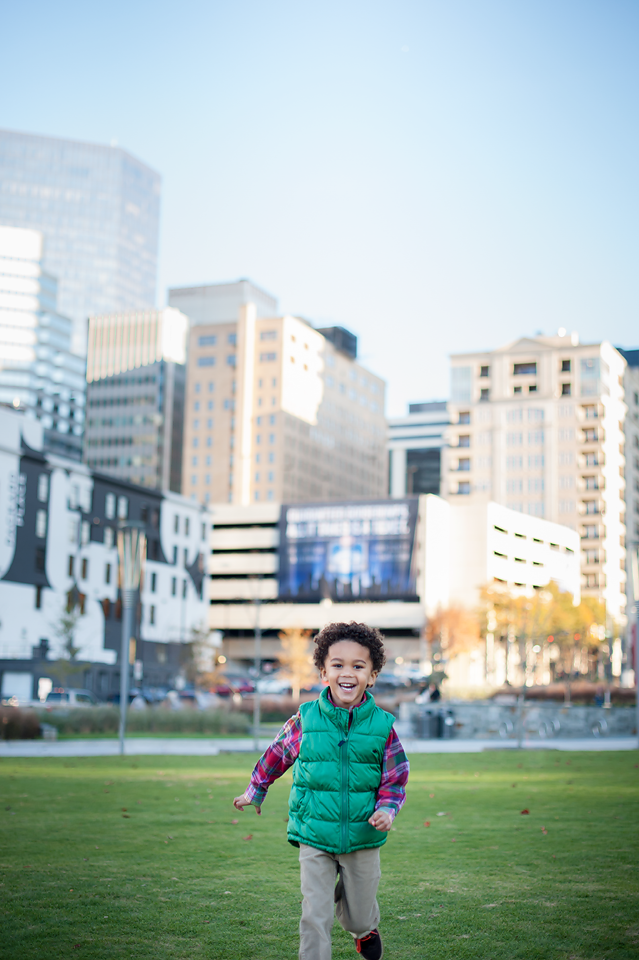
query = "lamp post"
{"x": 258, "y": 665}
{"x": 132, "y": 555}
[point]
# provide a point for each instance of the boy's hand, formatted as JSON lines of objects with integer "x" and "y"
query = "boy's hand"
{"x": 381, "y": 820}
{"x": 240, "y": 802}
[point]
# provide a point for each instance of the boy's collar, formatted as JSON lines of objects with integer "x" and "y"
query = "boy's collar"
{"x": 354, "y": 707}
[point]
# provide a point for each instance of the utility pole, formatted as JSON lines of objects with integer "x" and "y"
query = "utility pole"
{"x": 132, "y": 555}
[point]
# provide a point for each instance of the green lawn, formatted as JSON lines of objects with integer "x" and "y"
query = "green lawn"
{"x": 140, "y": 858}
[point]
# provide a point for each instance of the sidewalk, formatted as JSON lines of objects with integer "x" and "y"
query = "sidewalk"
{"x": 154, "y": 746}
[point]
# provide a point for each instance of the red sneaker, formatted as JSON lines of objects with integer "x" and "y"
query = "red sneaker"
{"x": 370, "y": 946}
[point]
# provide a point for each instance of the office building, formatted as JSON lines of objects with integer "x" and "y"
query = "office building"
{"x": 275, "y": 411}
{"x": 38, "y": 373}
{"x": 310, "y": 564}
{"x": 537, "y": 425}
{"x": 415, "y": 449}
{"x": 98, "y": 209}
{"x": 215, "y": 303}
{"x": 135, "y": 396}
{"x": 58, "y": 553}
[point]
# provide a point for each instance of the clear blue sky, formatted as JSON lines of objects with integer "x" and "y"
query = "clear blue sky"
{"x": 436, "y": 176}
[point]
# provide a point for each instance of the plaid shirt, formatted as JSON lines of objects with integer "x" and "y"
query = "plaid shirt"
{"x": 285, "y": 750}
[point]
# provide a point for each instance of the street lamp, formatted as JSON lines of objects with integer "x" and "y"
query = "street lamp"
{"x": 132, "y": 555}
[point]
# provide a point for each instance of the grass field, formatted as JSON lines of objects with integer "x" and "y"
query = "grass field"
{"x": 141, "y": 858}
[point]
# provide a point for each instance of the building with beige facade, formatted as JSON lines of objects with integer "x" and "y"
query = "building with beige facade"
{"x": 279, "y": 411}
{"x": 538, "y": 425}
{"x": 136, "y": 372}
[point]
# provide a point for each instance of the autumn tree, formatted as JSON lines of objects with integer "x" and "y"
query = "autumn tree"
{"x": 296, "y": 659}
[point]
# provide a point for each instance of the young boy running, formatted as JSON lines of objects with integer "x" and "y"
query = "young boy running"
{"x": 349, "y": 782}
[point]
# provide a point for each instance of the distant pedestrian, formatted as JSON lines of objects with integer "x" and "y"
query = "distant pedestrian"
{"x": 349, "y": 782}
{"x": 435, "y": 695}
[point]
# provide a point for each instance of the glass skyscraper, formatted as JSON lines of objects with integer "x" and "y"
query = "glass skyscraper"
{"x": 98, "y": 209}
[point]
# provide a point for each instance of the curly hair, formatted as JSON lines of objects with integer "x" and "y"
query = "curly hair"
{"x": 361, "y": 633}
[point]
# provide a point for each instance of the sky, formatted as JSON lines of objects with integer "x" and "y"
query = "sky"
{"x": 437, "y": 177}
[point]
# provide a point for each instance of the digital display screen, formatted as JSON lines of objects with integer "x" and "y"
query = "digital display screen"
{"x": 348, "y": 551}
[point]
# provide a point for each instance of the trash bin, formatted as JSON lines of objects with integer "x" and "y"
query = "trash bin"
{"x": 447, "y": 724}
{"x": 429, "y": 724}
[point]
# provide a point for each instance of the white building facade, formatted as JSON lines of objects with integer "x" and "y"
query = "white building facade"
{"x": 58, "y": 553}
{"x": 415, "y": 444}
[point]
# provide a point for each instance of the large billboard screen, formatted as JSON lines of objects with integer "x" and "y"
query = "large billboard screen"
{"x": 348, "y": 551}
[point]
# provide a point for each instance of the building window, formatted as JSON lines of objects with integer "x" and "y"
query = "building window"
{"x": 151, "y": 614}
{"x": 85, "y": 533}
{"x": 464, "y": 417}
{"x": 38, "y": 597}
{"x": 464, "y": 441}
{"x": 516, "y": 390}
{"x": 107, "y": 573}
{"x": 187, "y": 526}
{"x": 123, "y": 508}
{"x": 257, "y": 495}
{"x": 566, "y": 389}
{"x": 39, "y": 559}
{"x": 565, "y": 366}
{"x": 207, "y": 341}
{"x": 271, "y": 438}
{"x": 173, "y": 586}
{"x": 206, "y": 361}
{"x": 232, "y": 339}
{"x": 109, "y": 537}
{"x": 43, "y": 487}
{"x": 184, "y": 589}
{"x": 175, "y": 556}
{"x": 270, "y": 358}
{"x": 70, "y": 567}
{"x": 257, "y": 477}
{"x": 109, "y": 506}
{"x": 484, "y": 371}
{"x": 269, "y": 495}
{"x": 186, "y": 556}
{"x": 591, "y": 533}
{"x": 532, "y": 388}
{"x": 197, "y": 387}
{"x": 484, "y": 394}
{"x": 464, "y": 464}
{"x": 85, "y": 569}
{"x": 153, "y": 582}
{"x": 231, "y": 360}
{"x": 268, "y": 335}
{"x": 463, "y": 488}
{"x": 524, "y": 369}
{"x": 41, "y": 524}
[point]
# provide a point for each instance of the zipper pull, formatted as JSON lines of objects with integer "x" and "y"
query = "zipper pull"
{"x": 341, "y": 743}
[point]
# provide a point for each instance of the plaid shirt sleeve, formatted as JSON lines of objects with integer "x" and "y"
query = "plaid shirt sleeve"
{"x": 276, "y": 760}
{"x": 392, "y": 789}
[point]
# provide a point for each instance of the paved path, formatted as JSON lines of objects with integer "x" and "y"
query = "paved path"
{"x": 185, "y": 747}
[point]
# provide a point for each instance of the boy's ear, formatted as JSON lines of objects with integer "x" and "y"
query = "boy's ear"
{"x": 371, "y": 682}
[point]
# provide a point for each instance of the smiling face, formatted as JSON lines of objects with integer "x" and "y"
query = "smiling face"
{"x": 348, "y": 670}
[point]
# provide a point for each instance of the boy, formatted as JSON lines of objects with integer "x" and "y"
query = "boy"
{"x": 348, "y": 783}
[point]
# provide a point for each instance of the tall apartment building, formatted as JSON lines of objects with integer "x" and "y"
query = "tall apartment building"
{"x": 136, "y": 372}
{"x": 538, "y": 425}
{"x": 98, "y": 209}
{"x": 38, "y": 373}
{"x": 631, "y": 385}
{"x": 415, "y": 449}
{"x": 279, "y": 411}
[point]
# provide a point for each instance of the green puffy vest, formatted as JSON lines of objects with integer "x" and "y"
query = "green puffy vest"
{"x": 337, "y": 775}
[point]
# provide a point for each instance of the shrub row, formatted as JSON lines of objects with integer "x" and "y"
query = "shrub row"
{"x": 151, "y": 720}
{"x": 18, "y": 724}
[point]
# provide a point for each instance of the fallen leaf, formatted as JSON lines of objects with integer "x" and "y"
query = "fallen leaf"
{"x": 401, "y": 918}
{"x": 124, "y": 809}
{"x": 71, "y": 890}
{"x": 442, "y": 814}
{"x": 235, "y": 821}
{"x": 514, "y": 784}
{"x": 127, "y": 816}
{"x": 453, "y": 840}
{"x": 168, "y": 837}
{"x": 173, "y": 878}
{"x": 525, "y": 811}
{"x": 207, "y": 921}
{"x": 97, "y": 848}
{"x": 76, "y": 946}
{"x": 85, "y": 858}
{"x": 431, "y": 795}
{"x": 427, "y": 823}
{"x": 249, "y": 837}
{"x": 486, "y": 906}
{"x": 227, "y": 891}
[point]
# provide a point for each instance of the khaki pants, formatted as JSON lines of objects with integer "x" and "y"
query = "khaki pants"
{"x": 354, "y": 897}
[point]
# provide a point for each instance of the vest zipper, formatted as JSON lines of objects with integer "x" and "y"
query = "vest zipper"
{"x": 344, "y": 782}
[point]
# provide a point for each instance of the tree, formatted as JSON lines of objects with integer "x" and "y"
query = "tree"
{"x": 66, "y": 666}
{"x": 201, "y": 667}
{"x": 296, "y": 659}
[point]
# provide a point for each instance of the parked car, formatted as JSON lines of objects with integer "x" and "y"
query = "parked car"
{"x": 274, "y": 685}
{"x": 70, "y": 697}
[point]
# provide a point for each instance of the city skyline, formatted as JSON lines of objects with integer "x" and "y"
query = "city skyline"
{"x": 451, "y": 172}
